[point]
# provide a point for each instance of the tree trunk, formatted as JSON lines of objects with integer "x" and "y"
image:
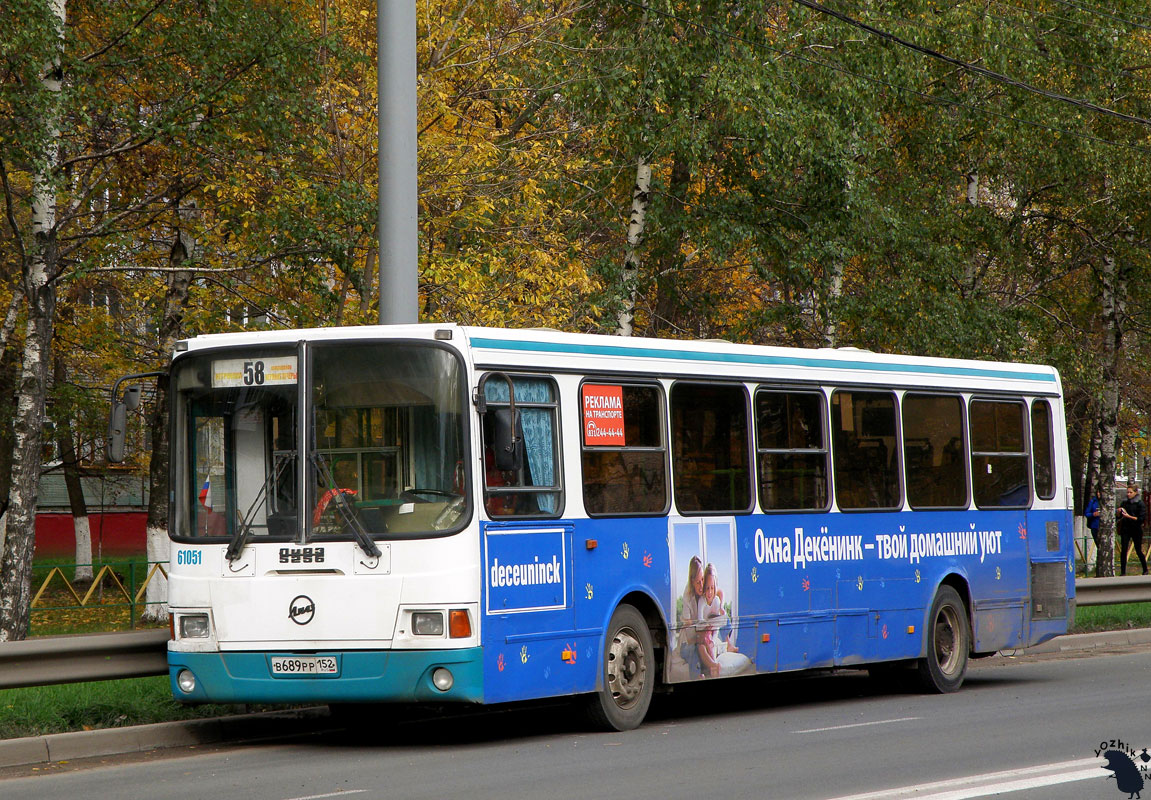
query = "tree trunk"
{"x": 830, "y": 305}
{"x": 668, "y": 302}
{"x": 1113, "y": 300}
{"x": 1093, "y": 477}
{"x": 156, "y": 594}
{"x": 971, "y": 269}
{"x": 175, "y": 304}
{"x": 367, "y": 281}
{"x": 20, "y": 529}
{"x": 640, "y": 195}
{"x": 38, "y": 272}
{"x": 76, "y": 502}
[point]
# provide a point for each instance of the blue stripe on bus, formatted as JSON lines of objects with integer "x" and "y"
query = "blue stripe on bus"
{"x": 759, "y": 360}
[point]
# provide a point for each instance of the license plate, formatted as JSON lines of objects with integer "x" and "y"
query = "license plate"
{"x": 305, "y": 665}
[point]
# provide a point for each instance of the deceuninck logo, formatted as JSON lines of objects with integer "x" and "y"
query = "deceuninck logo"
{"x": 526, "y": 569}
{"x": 1130, "y": 767}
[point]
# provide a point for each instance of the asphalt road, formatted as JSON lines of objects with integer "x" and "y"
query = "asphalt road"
{"x": 1020, "y": 728}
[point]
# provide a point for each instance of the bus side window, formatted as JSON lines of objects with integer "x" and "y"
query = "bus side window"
{"x": 933, "y": 451}
{"x": 999, "y": 454}
{"x": 624, "y": 455}
{"x": 791, "y": 444}
{"x": 864, "y": 453}
{"x": 535, "y": 489}
{"x": 710, "y": 447}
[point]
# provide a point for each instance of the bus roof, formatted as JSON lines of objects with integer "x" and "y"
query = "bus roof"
{"x": 547, "y": 350}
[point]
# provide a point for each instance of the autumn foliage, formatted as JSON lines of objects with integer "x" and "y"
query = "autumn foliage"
{"x": 917, "y": 177}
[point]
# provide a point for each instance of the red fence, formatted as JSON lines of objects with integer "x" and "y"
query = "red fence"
{"x": 114, "y": 533}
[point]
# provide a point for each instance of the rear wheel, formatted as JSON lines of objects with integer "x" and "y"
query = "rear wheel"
{"x": 948, "y": 643}
{"x": 629, "y": 673}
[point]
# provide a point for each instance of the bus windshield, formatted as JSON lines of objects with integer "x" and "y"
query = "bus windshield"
{"x": 384, "y": 428}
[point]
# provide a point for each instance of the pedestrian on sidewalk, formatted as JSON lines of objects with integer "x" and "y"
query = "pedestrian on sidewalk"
{"x": 1132, "y": 512}
{"x": 1092, "y": 513}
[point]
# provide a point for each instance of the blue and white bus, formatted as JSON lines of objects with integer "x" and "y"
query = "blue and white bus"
{"x": 445, "y": 513}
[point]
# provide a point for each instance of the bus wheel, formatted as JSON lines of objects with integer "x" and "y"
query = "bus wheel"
{"x": 948, "y": 643}
{"x": 629, "y": 673}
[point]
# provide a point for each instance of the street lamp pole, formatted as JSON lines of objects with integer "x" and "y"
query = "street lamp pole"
{"x": 398, "y": 194}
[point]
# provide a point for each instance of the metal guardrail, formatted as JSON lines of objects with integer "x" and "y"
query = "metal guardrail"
{"x": 137, "y": 654}
{"x": 1109, "y": 591}
{"x": 83, "y": 657}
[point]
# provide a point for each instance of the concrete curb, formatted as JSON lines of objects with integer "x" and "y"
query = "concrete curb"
{"x": 249, "y": 727}
{"x": 1092, "y": 641}
{"x": 142, "y": 738}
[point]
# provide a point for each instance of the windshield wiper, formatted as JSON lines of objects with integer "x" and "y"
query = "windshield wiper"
{"x": 347, "y": 513}
{"x": 244, "y": 531}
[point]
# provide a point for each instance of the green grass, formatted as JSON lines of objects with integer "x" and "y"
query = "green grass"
{"x": 1112, "y": 618}
{"x": 104, "y": 704}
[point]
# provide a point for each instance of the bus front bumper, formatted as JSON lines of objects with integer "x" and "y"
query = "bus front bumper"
{"x": 365, "y": 676}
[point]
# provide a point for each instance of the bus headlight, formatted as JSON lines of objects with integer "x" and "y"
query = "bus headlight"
{"x": 186, "y": 681}
{"x": 428, "y": 623}
{"x": 193, "y": 626}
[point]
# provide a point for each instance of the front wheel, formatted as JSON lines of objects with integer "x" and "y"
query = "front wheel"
{"x": 948, "y": 644}
{"x": 629, "y": 673}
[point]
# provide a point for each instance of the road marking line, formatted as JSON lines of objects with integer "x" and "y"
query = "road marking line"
{"x": 329, "y": 794}
{"x": 857, "y": 725}
{"x": 1012, "y": 780}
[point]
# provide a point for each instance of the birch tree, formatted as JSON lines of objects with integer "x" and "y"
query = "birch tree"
{"x": 1113, "y": 299}
{"x": 631, "y": 261}
{"x": 39, "y": 272}
{"x": 133, "y": 105}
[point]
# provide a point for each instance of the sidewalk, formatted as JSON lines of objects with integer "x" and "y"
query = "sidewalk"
{"x": 251, "y": 727}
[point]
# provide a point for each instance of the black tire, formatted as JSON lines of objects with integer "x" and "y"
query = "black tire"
{"x": 944, "y": 665}
{"x": 629, "y": 673}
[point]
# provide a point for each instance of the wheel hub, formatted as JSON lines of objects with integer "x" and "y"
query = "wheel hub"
{"x": 946, "y": 628}
{"x": 626, "y": 668}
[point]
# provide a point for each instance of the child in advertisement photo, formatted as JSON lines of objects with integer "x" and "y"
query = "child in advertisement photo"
{"x": 710, "y": 620}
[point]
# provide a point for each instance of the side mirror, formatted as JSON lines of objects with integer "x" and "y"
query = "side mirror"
{"x": 507, "y": 431}
{"x": 132, "y": 396}
{"x": 508, "y": 440}
{"x": 117, "y": 430}
{"x": 130, "y": 400}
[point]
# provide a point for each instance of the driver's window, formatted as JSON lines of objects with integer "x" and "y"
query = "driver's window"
{"x": 535, "y": 489}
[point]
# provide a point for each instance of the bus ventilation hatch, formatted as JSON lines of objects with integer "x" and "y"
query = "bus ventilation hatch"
{"x": 1049, "y": 590}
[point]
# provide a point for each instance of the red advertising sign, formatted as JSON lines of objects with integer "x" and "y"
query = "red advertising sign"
{"x": 603, "y": 415}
